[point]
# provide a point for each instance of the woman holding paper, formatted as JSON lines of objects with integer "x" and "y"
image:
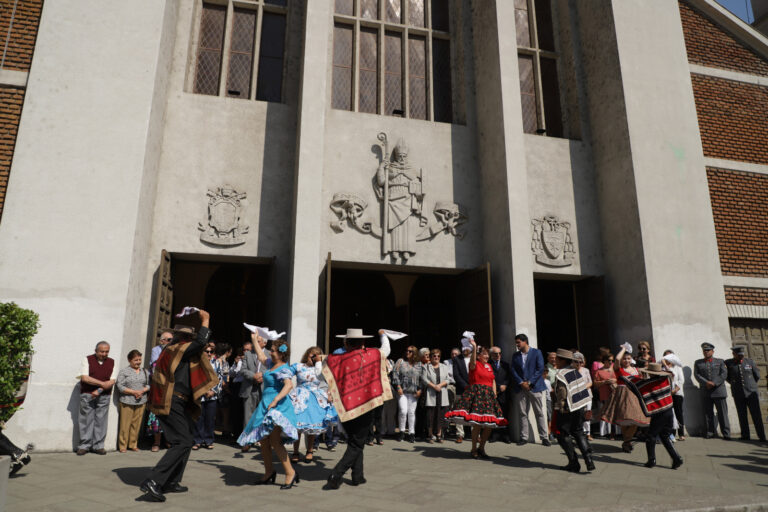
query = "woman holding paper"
{"x": 274, "y": 420}
{"x": 477, "y": 406}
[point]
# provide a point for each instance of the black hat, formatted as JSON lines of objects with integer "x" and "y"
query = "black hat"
{"x": 707, "y": 346}
{"x": 738, "y": 350}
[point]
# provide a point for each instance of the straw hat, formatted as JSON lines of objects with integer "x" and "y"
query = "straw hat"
{"x": 354, "y": 334}
{"x": 655, "y": 369}
{"x": 564, "y": 354}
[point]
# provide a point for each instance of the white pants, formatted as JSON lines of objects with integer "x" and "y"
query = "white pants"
{"x": 588, "y": 423}
{"x": 406, "y": 404}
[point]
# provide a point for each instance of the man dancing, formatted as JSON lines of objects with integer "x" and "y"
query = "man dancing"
{"x": 357, "y": 381}
{"x": 180, "y": 379}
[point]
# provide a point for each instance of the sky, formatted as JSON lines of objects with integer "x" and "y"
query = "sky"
{"x": 741, "y": 8}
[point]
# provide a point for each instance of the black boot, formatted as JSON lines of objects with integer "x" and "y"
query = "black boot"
{"x": 573, "y": 461}
{"x": 585, "y": 449}
{"x": 677, "y": 460}
{"x": 650, "y": 449}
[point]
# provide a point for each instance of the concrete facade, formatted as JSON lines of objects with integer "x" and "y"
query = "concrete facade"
{"x": 115, "y": 155}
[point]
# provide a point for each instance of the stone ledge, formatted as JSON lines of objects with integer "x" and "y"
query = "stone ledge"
{"x": 13, "y": 78}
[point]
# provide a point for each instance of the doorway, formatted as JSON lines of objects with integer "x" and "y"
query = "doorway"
{"x": 433, "y": 306}
{"x": 571, "y": 315}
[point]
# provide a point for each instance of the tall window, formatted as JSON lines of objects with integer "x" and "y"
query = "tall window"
{"x": 537, "y": 62}
{"x": 232, "y": 35}
{"x": 393, "y": 57}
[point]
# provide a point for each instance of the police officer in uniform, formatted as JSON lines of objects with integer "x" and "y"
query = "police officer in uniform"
{"x": 711, "y": 374}
{"x": 743, "y": 376}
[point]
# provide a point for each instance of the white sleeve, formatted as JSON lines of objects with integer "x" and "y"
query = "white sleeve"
{"x": 114, "y": 372}
{"x": 319, "y": 368}
{"x": 83, "y": 368}
{"x": 385, "y": 349}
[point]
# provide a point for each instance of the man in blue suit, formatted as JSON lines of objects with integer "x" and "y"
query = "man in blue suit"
{"x": 529, "y": 389}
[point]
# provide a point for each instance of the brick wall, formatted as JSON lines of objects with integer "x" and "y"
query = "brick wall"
{"x": 23, "y": 34}
{"x": 11, "y": 100}
{"x": 709, "y": 45}
{"x": 749, "y": 296}
{"x": 733, "y": 118}
{"x": 739, "y": 202}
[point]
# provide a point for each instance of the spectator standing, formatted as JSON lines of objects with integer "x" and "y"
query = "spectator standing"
{"x": 253, "y": 376}
{"x": 421, "y": 411}
{"x": 527, "y": 369}
{"x": 743, "y": 376}
{"x": 98, "y": 374}
{"x": 674, "y": 365}
{"x": 435, "y": 379}
{"x": 406, "y": 378}
{"x": 460, "y": 365}
{"x": 133, "y": 385}
{"x": 166, "y": 336}
{"x": 604, "y": 382}
{"x": 153, "y": 425}
{"x": 552, "y": 375}
{"x": 711, "y": 374}
{"x": 204, "y": 428}
{"x": 644, "y": 354}
{"x": 501, "y": 372}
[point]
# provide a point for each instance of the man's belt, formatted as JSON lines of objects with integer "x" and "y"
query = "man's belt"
{"x": 183, "y": 398}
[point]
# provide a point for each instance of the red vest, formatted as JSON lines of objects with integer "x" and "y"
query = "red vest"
{"x": 98, "y": 371}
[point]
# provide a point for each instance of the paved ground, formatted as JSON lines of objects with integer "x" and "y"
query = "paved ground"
{"x": 403, "y": 477}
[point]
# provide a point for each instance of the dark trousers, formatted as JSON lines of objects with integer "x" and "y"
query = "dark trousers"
{"x": 570, "y": 425}
{"x": 722, "y": 415}
{"x": 206, "y": 423}
{"x": 677, "y": 405}
{"x": 661, "y": 427}
{"x": 8, "y": 448}
{"x": 357, "y": 430}
{"x": 421, "y": 418}
{"x": 435, "y": 418}
{"x": 753, "y": 404}
{"x": 178, "y": 427}
{"x": 376, "y": 425}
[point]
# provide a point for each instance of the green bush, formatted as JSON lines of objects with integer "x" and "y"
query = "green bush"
{"x": 17, "y": 328}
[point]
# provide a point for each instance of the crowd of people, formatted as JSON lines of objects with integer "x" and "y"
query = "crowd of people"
{"x": 193, "y": 385}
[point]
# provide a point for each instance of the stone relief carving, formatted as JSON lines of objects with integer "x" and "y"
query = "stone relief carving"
{"x": 552, "y": 244}
{"x": 449, "y": 217}
{"x": 222, "y": 225}
{"x": 399, "y": 188}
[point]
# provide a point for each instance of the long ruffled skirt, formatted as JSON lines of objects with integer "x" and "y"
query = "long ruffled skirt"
{"x": 477, "y": 406}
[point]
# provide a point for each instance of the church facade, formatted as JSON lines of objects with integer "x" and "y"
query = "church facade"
{"x": 588, "y": 173}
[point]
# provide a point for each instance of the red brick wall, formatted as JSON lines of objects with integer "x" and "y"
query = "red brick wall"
{"x": 11, "y": 100}
{"x": 739, "y": 206}
{"x": 23, "y": 34}
{"x": 709, "y": 45}
{"x": 749, "y": 296}
{"x": 733, "y": 118}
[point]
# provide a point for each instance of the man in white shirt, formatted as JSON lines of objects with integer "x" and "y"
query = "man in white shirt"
{"x": 98, "y": 373}
{"x": 166, "y": 336}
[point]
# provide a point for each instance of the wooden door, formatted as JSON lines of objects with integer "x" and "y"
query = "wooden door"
{"x": 474, "y": 307}
{"x": 163, "y": 299}
{"x": 753, "y": 334}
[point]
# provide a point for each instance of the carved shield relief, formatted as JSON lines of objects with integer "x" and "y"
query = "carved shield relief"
{"x": 554, "y": 242}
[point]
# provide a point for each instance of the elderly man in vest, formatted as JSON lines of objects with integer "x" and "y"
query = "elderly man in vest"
{"x": 97, "y": 376}
{"x": 180, "y": 380}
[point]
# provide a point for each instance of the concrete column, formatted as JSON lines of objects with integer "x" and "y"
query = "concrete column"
{"x": 501, "y": 150}
{"x": 658, "y": 233}
{"x": 306, "y": 261}
{"x": 74, "y": 223}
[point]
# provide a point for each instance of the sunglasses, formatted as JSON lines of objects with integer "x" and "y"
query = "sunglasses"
{"x": 209, "y": 351}
{"x": 435, "y": 355}
{"x": 409, "y": 351}
{"x": 166, "y": 339}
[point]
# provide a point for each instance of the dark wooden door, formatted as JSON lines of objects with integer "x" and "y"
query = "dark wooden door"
{"x": 163, "y": 299}
{"x": 753, "y": 334}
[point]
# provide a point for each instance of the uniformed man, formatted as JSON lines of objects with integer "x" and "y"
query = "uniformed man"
{"x": 743, "y": 376}
{"x": 711, "y": 374}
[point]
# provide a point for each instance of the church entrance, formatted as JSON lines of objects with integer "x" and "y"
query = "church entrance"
{"x": 232, "y": 290}
{"x": 433, "y": 306}
{"x": 570, "y": 314}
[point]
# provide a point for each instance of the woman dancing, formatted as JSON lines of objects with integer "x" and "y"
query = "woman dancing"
{"x": 274, "y": 418}
{"x": 477, "y": 406}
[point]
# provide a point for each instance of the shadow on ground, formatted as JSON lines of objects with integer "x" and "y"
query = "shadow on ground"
{"x": 132, "y": 476}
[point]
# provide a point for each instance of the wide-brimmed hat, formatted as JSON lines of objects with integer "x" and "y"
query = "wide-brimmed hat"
{"x": 655, "y": 369}
{"x": 354, "y": 334}
{"x": 564, "y": 354}
{"x": 183, "y": 330}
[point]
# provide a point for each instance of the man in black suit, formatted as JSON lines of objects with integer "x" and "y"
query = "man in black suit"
{"x": 501, "y": 374}
{"x": 743, "y": 376}
{"x": 461, "y": 376}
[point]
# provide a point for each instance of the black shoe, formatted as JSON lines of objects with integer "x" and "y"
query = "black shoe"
{"x": 412, "y": 438}
{"x": 359, "y": 481}
{"x": 522, "y": 442}
{"x": 572, "y": 467}
{"x": 708, "y": 435}
{"x": 100, "y": 451}
{"x": 152, "y": 490}
{"x": 16, "y": 466}
{"x": 174, "y": 487}
{"x": 82, "y": 451}
{"x": 651, "y": 463}
{"x": 507, "y": 440}
{"x": 268, "y": 480}
{"x": 677, "y": 463}
{"x": 334, "y": 482}
{"x": 726, "y": 438}
{"x": 546, "y": 442}
{"x": 590, "y": 465}
{"x": 481, "y": 453}
{"x": 295, "y": 480}
{"x": 400, "y": 437}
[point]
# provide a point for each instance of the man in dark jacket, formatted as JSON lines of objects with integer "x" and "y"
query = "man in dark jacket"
{"x": 711, "y": 375}
{"x": 501, "y": 373}
{"x": 743, "y": 376}
{"x": 461, "y": 376}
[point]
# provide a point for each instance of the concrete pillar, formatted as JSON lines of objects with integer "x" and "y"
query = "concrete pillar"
{"x": 74, "y": 223}
{"x": 658, "y": 233}
{"x": 306, "y": 262}
{"x": 501, "y": 150}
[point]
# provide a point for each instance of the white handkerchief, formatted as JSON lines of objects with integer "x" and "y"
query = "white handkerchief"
{"x": 274, "y": 335}
{"x": 394, "y": 335}
{"x": 188, "y": 310}
{"x": 469, "y": 334}
{"x": 261, "y": 331}
{"x": 465, "y": 343}
{"x": 627, "y": 347}
{"x": 250, "y": 327}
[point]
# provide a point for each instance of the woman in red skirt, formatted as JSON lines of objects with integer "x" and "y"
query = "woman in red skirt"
{"x": 478, "y": 406}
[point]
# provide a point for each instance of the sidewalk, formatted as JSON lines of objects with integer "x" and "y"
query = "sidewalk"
{"x": 404, "y": 477}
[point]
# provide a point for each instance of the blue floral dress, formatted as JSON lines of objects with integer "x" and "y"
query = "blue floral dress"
{"x": 262, "y": 422}
{"x": 314, "y": 414}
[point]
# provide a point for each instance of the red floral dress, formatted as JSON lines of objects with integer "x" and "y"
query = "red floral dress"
{"x": 478, "y": 405}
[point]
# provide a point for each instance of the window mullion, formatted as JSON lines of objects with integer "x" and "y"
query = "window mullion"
{"x": 406, "y": 74}
{"x": 430, "y": 81}
{"x": 256, "y": 52}
{"x": 356, "y": 65}
{"x": 382, "y": 70}
{"x": 226, "y": 50}
{"x": 539, "y": 92}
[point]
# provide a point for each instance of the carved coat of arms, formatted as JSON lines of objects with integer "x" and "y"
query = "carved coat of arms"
{"x": 222, "y": 225}
{"x": 552, "y": 244}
